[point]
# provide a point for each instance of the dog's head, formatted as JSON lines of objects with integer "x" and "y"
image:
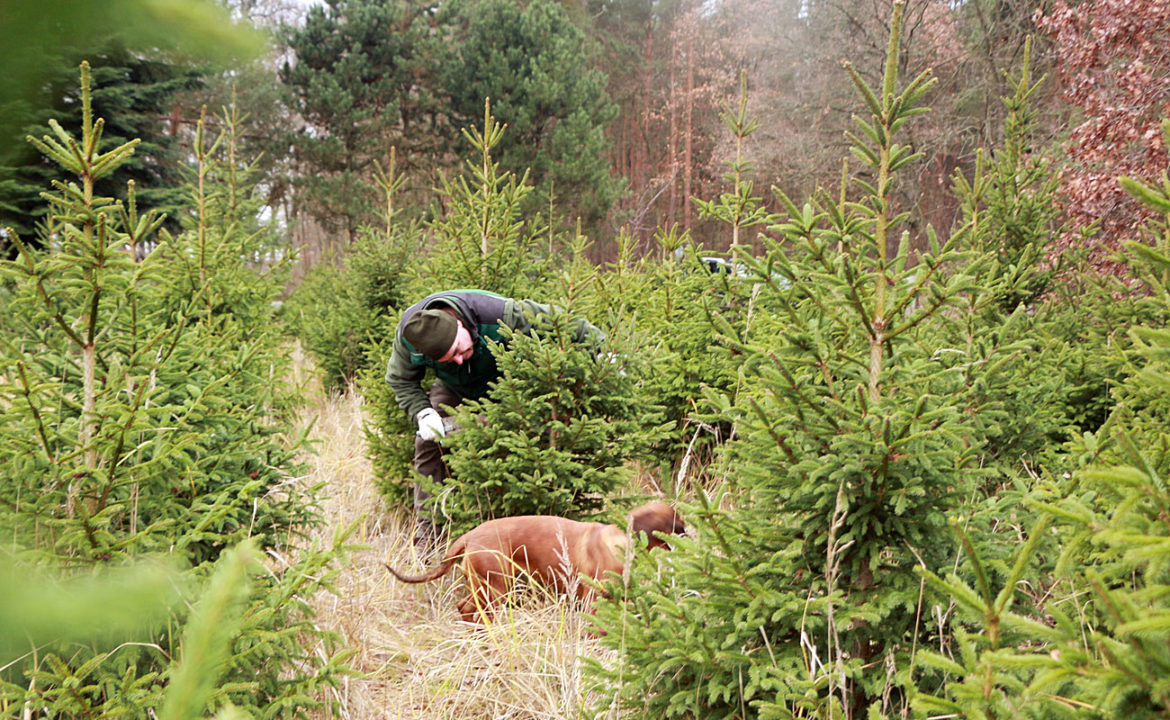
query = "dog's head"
{"x": 655, "y": 520}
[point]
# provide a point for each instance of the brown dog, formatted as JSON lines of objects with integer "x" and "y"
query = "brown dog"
{"x": 551, "y": 549}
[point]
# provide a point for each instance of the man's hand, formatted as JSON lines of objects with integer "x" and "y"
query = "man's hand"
{"x": 611, "y": 358}
{"x": 430, "y": 425}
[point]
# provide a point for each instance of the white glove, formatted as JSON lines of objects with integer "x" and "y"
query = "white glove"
{"x": 611, "y": 358}
{"x": 430, "y": 425}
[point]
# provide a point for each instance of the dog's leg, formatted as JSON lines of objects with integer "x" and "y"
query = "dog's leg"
{"x": 478, "y": 605}
{"x": 487, "y": 582}
{"x": 473, "y": 609}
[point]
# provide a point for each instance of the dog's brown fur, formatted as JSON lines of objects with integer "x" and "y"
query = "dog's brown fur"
{"x": 551, "y": 549}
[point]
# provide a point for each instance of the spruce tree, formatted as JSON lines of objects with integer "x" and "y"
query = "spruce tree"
{"x": 142, "y": 419}
{"x": 485, "y": 238}
{"x": 1010, "y": 206}
{"x": 553, "y": 436}
{"x": 344, "y": 313}
{"x": 111, "y": 350}
{"x": 480, "y": 240}
{"x": 690, "y": 288}
{"x": 853, "y": 444}
{"x": 1096, "y": 643}
{"x": 1118, "y": 508}
{"x": 133, "y": 93}
{"x": 537, "y": 69}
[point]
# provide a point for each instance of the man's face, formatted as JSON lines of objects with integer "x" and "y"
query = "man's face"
{"x": 461, "y": 349}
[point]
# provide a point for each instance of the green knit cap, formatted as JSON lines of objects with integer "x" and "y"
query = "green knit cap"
{"x": 431, "y": 332}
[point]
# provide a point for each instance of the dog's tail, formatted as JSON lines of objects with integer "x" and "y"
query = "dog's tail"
{"x": 453, "y": 555}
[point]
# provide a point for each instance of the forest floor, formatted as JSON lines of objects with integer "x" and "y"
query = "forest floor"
{"x": 417, "y": 659}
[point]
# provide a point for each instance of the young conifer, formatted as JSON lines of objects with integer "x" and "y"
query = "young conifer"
{"x": 138, "y": 419}
{"x": 481, "y": 239}
{"x": 555, "y": 434}
{"x": 1095, "y": 643}
{"x": 687, "y": 289}
{"x": 1117, "y": 513}
{"x": 801, "y": 599}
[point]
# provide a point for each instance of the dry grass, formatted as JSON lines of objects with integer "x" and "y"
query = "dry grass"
{"x": 417, "y": 658}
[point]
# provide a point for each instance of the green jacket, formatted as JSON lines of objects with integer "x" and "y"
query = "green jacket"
{"x": 483, "y": 314}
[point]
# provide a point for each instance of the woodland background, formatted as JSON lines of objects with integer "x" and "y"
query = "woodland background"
{"x": 884, "y": 287}
{"x": 612, "y": 107}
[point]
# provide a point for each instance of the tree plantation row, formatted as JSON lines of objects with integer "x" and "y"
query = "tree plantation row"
{"x": 923, "y": 466}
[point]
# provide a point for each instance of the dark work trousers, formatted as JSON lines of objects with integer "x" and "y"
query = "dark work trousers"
{"x": 428, "y": 455}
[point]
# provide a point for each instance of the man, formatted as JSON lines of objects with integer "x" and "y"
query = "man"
{"x": 451, "y": 333}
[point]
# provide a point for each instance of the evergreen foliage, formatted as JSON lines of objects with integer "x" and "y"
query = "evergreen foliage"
{"x": 932, "y": 482}
{"x": 215, "y": 620}
{"x": 739, "y": 209}
{"x": 1125, "y": 663}
{"x": 41, "y": 35}
{"x": 675, "y": 302}
{"x": 145, "y": 413}
{"x": 389, "y": 432}
{"x": 1104, "y": 654}
{"x": 857, "y": 433}
{"x": 484, "y": 238}
{"x": 341, "y": 313}
{"x": 481, "y": 240}
{"x": 1010, "y": 208}
{"x": 41, "y": 609}
{"x": 346, "y": 318}
{"x": 553, "y": 435}
{"x": 564, "y": 454}
{"x": 1012, "y": 205}
{"x": 537, "y": 69}
{"x": 990, "y": 668}
{"x": 686, "y": 291}
{"x": 133, "y": 92}
{"x": 329, "y": 316}
{"x": 369, "y": 74}
{"x": 365, "y": 79}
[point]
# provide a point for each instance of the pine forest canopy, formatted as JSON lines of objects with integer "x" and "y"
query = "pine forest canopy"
{"x": 613, "y": 107}
{"x": 371, "y": 74}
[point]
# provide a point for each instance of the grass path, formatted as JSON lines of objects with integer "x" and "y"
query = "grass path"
{"x": 418, "y": 660}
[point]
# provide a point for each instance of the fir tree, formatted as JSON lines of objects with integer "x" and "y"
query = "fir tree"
{"x": 133, "y": 93}
{"x": 1011, "y": 202}
{"x": 1107, "y": 527}
{"x": 484, "y": 238}
{"x": 140, "y": 419}
{"x": 536, "y": 68}
{"x": 345, "y": 313}
{"x": 853, "y": 445}
{"x": 555, "y": 433}
{"x": 1010, "y": 206}
{"x": 690, "y": 289}
{"x": 481, "y": 240}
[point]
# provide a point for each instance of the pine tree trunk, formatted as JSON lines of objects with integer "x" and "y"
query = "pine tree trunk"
{"x": 645, "y": 171}
{"x": 672, "y": 145}
{"x": 688, "y": 152}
